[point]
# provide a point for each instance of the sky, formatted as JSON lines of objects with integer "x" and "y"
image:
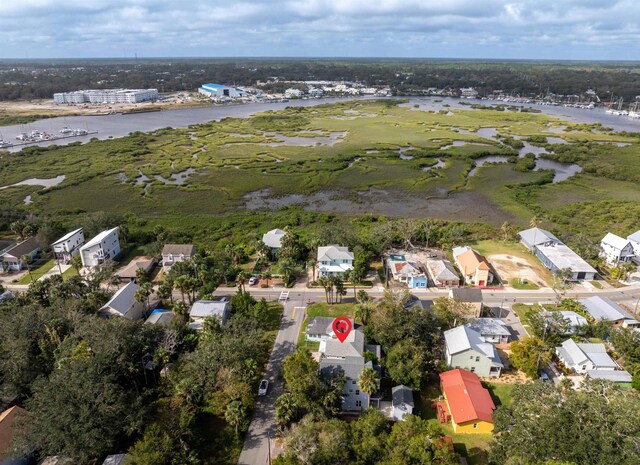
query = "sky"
{"x": 524, "y": 29}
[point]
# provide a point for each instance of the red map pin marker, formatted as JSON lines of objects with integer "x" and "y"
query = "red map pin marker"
{"x": 341, "y": 328}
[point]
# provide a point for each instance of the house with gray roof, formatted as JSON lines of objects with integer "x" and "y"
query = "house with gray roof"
{"x": 334, "y": 260}
{"x": 614, "y": 249}
{"x": 555, "y": 255}
{"x": 605, "y": 309}
{"x": 585, "y": 357}
{"x": 401, "y": 401}
{"x": 467, "y": 349}
{"x": 442, "y": 273}
{"x": 174, "y": 253}
{"x": 574, "y": 321}
{"x": 471, "y": 296}
{"x": 11, "y": 258}
{"x": 320, "y": 328}
{"x": 347, "y": 358}
{"x": 273, "y": 240}
{"x": 203, "y": 309}
{"x": 493, "y": 330}
{"x": 124, "y": 304}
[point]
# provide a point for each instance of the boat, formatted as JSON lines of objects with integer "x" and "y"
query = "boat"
{"x": 65, "y": 130}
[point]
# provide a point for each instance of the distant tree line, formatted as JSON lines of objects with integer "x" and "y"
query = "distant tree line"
{"x": 42, "y": 78}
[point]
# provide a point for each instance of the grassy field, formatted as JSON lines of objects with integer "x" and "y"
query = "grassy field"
{"x": 523, "y": 285}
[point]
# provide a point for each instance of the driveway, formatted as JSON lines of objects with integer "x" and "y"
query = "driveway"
{"x": 256, "y": 447}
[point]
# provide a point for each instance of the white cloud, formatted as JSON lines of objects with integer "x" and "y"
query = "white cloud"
{"x": 466, "y": 28}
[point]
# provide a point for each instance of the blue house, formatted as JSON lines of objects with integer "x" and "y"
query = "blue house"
{"x": 407, "y": 272}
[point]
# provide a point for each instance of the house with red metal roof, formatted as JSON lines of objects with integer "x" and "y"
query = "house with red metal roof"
{"x": 469, "y": 403}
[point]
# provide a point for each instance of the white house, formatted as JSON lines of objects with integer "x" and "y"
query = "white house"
{"x": 493, "y": 330}
{"x": 614, "y": 249}
{"x": 105, "y": 246}
{"x": 635, "y": 242}
{"x": 203, "y": 309}
{"x": 293, "y": 93}
{"x": 124, "y": 304}
{"x": 334, "y": 260}
{"x": 11, "y": 258}
{"x": 273, "y": 239}
{"x": 574, "y": 320}
{"x": 68, "y": 246}
{"x": 584, "y": 357}
{"x": 174, "y": 253}
{"x": 401, "y": 401}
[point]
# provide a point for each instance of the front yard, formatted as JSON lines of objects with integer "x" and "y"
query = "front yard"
{"x": 322, "y": 309}
{"x": 37, "y": 273}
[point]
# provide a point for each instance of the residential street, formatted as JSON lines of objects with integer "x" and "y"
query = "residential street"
{"x": 256, "y": 444}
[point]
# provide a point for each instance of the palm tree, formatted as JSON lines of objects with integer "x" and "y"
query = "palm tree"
{"x": 235, "y": 414}
{"x": 241, "y": 278}
{"x": 26, "y": 261}
{"x": 164, "y": 291}
{"x": 340, "y": 289}
{"x": 286, "y": 409}
{"x": 368, "y": 382}
{"x": 143, "y": 293}
{"x": 267, "y": 276}
{"x": 325, "y": 282}
{"x": 362, "y": 296}
{"x": 363, "y": 311}
{"x": 76, "y": 263}
{"x": 287, "y": 270}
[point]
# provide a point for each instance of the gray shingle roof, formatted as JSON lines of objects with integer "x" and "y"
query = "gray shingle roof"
{"x": 334, "y": 252}
{"x": 401, "y": 395}
{"x": 442, "y": 270}
{"x": 273, "y": 238}
{"x": 23, "y": 248}
{"x": 320, "y": 325}
{"x": 466, "y": 294}
{"x": 179, "y": 249}
{"x": 634, "y": 237}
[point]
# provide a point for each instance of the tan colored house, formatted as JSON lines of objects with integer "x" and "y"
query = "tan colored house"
{"x": 474, "y": 267}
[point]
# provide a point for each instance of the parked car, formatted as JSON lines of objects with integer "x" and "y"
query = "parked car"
{"x": 253, "y": 280}
{"x": 264, "y": 387}
{"x": 544, "y": 376}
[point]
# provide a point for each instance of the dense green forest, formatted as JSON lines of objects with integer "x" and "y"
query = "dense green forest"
{"x": 41, "y": 78}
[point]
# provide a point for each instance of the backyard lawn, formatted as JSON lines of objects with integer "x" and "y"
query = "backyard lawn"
{"x": 322, "y": 309}
{"x": 474, "y": 447}
{"x": 37, "y": 273}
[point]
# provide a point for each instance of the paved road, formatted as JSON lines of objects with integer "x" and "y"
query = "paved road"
{"x": 256, "y": 443}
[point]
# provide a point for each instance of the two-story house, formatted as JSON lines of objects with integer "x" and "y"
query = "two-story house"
{"x": 467, "y": 349}
{"x": 68, "y": 246}
{"x": 334, "y": 260}
{"x": 273, "y": 240}
{"x": 347, "y": 358}
{"x": 11, "y": 258}
{"x": 474, "y": 267}
{"x": 105, "y": 246}
{"x": 124, "y": 304}
{"x": 614, "y": 249}
{"x": 174, "y": 253}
